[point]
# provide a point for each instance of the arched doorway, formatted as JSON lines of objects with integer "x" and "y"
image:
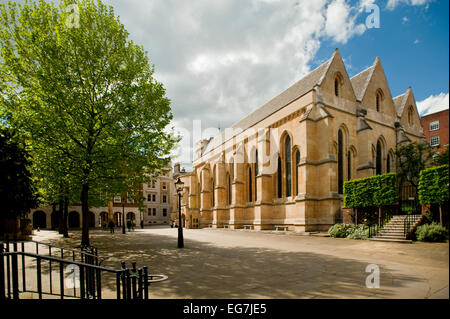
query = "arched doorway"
{"x": 104, "y": 218}
{"x": 91, "y": 219}
{"x": 74, "y": 219}
{"x": 118, "y": 219}
{"x": 39, "y": 219}
{"x": 55, "y": 219}
{"x": 131, "y": 215}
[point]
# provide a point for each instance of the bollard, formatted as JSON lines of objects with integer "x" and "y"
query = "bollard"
{"x": 145, "y": 282}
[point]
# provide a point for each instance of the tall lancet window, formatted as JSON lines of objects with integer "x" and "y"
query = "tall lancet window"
{"x": 297, "y": 162}
{"x": 336, "y": 86}
{"x": 349, "y": 166}
{"x": 229, "y": 189}
{"x": 388, "y": 163}
{"x": 250, "y": 181}
{"x": 340, "y": 162}
{"x": 288, "y": 166}
{"x": 279, "y": 179}
{"x": 256, "y": 174}
{"x": 379, "y": 159}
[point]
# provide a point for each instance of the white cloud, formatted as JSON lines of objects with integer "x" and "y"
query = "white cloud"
{"x": 340, "y": 23}
{"x": 416, "y": 41}
{"x": 433, "y": 104}
{"x": 392, "y": 4}
{"x": 404, "y": 20}
{"x": 220, "y": 60}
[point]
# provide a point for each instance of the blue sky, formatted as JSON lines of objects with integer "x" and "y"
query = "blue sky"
{"x": 412, "y": 42}
{"x": 220, "y": 60}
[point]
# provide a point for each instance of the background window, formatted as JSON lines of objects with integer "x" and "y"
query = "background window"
{"x": 434, "y": 141}
{"x": 434, "y": 126}
{"x": 164, "y": 212}
{"x": 164, "y": 199}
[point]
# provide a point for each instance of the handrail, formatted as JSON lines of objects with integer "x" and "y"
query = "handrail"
{"x": 130, "y": 283}
{"x": 83, "y": 252}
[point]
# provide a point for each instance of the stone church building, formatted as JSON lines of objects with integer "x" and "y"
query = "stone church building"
{"x": 285, "y": 164}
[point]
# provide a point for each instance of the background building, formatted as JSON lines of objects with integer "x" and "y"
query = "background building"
{"x": 435, "y": 128}
{"x": 158, "y": 194}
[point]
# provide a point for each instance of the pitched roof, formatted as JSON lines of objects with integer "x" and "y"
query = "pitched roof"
{"x": 400, "y": 102}
{"x": 300, "y": 88}
{"x": 360, "y": 82}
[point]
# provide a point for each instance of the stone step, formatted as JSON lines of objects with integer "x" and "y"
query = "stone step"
{"x": 391, "y": 236}
{"x": 404, "y": 241}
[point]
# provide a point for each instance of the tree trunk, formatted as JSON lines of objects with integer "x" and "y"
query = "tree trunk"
{"x": 379, "y": 216}
{"x": 61, "y": 217}
{"x": 85, "y": 215}
{"x": 66, "y": 216}
{"x": 440, "y": 214}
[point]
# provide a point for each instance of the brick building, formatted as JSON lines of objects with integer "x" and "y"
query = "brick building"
{"x": 435, "y": 129}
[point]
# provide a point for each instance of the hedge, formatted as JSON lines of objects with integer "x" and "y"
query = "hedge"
{"x": 371, "y": 191}
{"x": 433, "y": 185}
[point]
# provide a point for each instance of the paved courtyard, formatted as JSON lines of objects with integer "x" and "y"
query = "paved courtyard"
{"x": 222, "y": 263}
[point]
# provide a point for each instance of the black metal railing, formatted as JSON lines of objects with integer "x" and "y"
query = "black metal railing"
{"x": 408, "y": 224}
{"x": 374, "y": 229}
{"x": 19, "y": 274}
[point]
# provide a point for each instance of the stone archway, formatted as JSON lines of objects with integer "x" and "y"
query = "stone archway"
{"x": 55, "y": 219}
{"x": 104, "y": 219}
{"x": 91, "y": 219}
{"x": 74, "y": 219}
{"x": 39, "y": 219}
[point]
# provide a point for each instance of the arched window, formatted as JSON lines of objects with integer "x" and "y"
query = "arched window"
{"x": 336, "y": 86}
{"x": 250, "y": 180}
{"x": 288, "y": 165}
{"x": 229, "y": 188}
{"x": 212, "y": 192}
{"x": 378, "y": 100}
{"x": 340, "y": 163}
{"x": 349, "y": 166}
{"x": 297, "y": 162}
{"x": 388, "y": 163}
{"x": 379, "y": 159}
{"x": 410, "y": 115}
{"x": 256, "y": 174}
{"x": 279, "y": 179}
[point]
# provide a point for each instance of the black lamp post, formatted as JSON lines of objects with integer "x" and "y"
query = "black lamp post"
{"x": 123, "y": 215}
{"x": 179, "y": 185}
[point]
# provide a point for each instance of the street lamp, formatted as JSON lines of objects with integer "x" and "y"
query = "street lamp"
{"x": 179, "y": 185}
{"x": 123, "y": 215}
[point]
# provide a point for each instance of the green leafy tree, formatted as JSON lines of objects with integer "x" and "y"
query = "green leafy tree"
{"x": 411, "y": 159}
{"x": 84, "y": 92}
{"x": 17, "y": 191}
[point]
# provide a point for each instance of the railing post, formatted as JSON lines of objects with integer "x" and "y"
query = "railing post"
{"x": 24, "y": 285}
{"x": 8, "y": 269}
{"x": 15, "y": 272}
{"x": 50, "y": 268}
{"x": 133, "y": 280}
{"x": 140, "y": 283}
{"x": 124, "y": 280}
{"x": 99, "y": 284}
{"x": 61, "y": 279}
{"x": 82, "y": 282}
{"x": 2, "y": 274}
{"x": 127, "y": 275}
{"x": 118, "y": 285}
{"x": 39, "y": 279}
{"x": 145, "y": 282}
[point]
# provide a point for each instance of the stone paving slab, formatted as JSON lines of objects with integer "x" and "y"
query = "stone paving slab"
{"x": 232, "y": 264}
